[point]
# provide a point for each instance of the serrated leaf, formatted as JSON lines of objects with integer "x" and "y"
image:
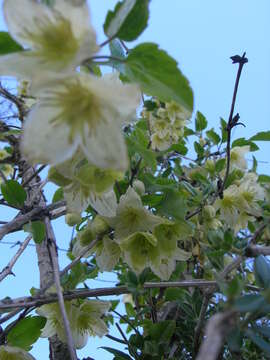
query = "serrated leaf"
{"x": 200, "y": 121}
{"x": 261, "y": 136}
{"x": 37, "y": 229}
{"x": 26, "y": 332}
{"x": 13, "y": 193}
{"x": 158, "y": 75}
{"x": 7, "y": 44}
{"x": 262, "y": 271}
{"x": 128, "y": 19}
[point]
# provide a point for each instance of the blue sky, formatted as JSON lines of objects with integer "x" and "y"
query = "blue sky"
{"x": 201, "y": 36}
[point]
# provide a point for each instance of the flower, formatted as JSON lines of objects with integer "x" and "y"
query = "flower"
{"x": 7, "y": 171}
{"x": 3, "y": 154}
{"x": 80, "y": 111}
{"x": 228, "y": 206}
{"x": 84, "y": 318}
{"x": 14, "y": 353}
{"x": 57, "y": 38}
{"x": 237, "y": 158}
{"x": 131, "y": 216}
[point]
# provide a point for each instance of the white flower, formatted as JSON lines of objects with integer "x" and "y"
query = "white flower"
{"x": 80, "y": 111}
{"x": 238, "y": 160}
{"x": 57, "y": 38}
{"x": 84, "y": 318}
{"x": 14, "y": 353}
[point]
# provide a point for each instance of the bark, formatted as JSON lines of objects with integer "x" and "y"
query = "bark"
{"x": 36, "y": 198}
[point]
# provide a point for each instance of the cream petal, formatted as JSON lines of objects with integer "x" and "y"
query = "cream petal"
{"x": 105, "y": 147}
{"x": 80, "y": 338}
{"x": 22, "y": 16}
{"x": 43, "y": 142}
{"x": 48, "y": 330}
{"x": 21, "y": 65}
{"x": 105, "y": 204}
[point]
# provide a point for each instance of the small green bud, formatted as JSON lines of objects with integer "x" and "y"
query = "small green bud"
{"x": 209, "y": 212}
{"x": 86, "y": 236}
{"x": 139, "y": 187}
{"x": 99, "y": 225}
{"x": 72, "y": 219}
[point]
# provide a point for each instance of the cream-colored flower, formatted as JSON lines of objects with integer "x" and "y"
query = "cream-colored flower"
{"x": 238, "y": 160}
{"x": 3, "y": 154}
{"x": 177, "y": 112}
{"x": 7, "y": 171}
{"x": 84, "y": 318}
{"x": 14, "y": 353}
{"x": 131, "y": 216}
{"x": 80, "y": 111}
{"x": 57, "y": 38}
{"x": 250, "y": 192}
{"x": 228, "y": 206}
{"x": 160, "y": 143}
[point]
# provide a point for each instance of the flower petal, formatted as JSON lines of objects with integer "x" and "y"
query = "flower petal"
{"x": 105, "y": 205}
{"x": 22, "y": 18}
{"x": 45, "y": 142}
{"x": 20, "y": 65}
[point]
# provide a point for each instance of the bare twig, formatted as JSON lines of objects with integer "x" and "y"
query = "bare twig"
{"x": 8, "y": 269}
{"x": 33, "y": 175}
{"x": 55, "y": 266}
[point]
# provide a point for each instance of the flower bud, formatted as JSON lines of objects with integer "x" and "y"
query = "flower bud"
{"x": 139, "y": 187}
{"x": 72, "y": 219}
{"x": 99, "y": 225}
{"x": 209, "y": 212}
{"x": 86, "y": 236}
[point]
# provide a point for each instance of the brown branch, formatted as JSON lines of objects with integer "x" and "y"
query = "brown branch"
{"x": 33, "y": 175}
{"x": 54, "y": 259}
{"x": 233, "y": 120}
{"x": 253, "y": 250}
{"x": 8, "y": 269}
{"x": 217, "y": 329}
{"x": 37, "y": 213}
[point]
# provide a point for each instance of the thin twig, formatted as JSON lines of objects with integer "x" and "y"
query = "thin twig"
{"x": 34, "y": 175}
{"x": 8, "y": 269}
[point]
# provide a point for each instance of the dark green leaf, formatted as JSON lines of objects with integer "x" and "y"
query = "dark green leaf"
{"x": 224, "y": 132}
{"x": 199, "y": 149}
{"x": 249, "y": 303}
{"x": 262, "y": 329}
{"x": 26, "y": 332}
{"x": 162, "y": 331}
{"x": 119, "y": 354}
{"x": 244, "y": 142}
{"x": 158, "y": 75}
{"x": 261, "y": 136}
{"x": 13, "y": 193}
{"x": 200, "y": 121}
{"x": 37, "y": 229}
{"x": 128, "y": 19}
{"x": 262, "y": 271}
{"x": 264, "y": 345}
{"x": 7, "y": 44}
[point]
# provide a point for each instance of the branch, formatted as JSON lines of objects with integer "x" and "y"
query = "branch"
{"x": 54, "y": 259}
{"x": 217, "y": 329}
{"x": 233, "y": 120}
{"x": 8, "y": 269}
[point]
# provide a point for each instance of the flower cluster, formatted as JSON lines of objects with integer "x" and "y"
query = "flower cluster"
{"x": 166, "y": 123}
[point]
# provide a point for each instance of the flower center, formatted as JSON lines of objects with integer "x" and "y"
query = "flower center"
{"x": 54, "y": 41}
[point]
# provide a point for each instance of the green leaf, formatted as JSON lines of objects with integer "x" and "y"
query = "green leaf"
{"x": 119, "y": 354}
{"x": 13, "y": 193}
{"x": 249, "y": 303}
{"x": 37, "y": 229}
{"x": 128, "y": 19}
{"x": 117, "y": 52}
{"x": 262, "y": 271}
{"x": 264, "y": 345}
{"x": 157, "y": 74}
{"x": 58, "y": 195}
{"x": 264, "y": 179}
{"x": 223, "y": 126}
{"x": 173, "y": 204}
{"x": 162, "y": 331}
{"x": 244, "y": 142}
{"x": 7, "y": 44}
{"x": 220, "y": 164}
{"x": 199, "y": 149}
{"x": 26, "y": 332}
{"x": 261, "y": 136}
{"x": 148, "y": 155}
{"x": 262, "y": 329}
{"x": 200, "y": 121}
{"x": 213, "y": 136}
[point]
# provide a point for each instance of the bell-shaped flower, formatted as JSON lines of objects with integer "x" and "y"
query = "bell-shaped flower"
{"x": 228, "y": 206}
{"x": 131, "y": 216}
{"x": 140, "y": 251}
{"x": 250, "y": 192}
{"x": 84, "y": 319}
{"x": 83, "y": 183}
{"x": 14, "y": 353}
{"x": 107, "y": 253}
{"x": 56, "y": 38}
{"x": 80, "y": 111}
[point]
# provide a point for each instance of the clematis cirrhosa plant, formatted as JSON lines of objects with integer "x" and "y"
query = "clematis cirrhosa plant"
{"x": 84, "y": 318}
{"x": 57, "y": 38}
{"x": 80, "y": 111}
